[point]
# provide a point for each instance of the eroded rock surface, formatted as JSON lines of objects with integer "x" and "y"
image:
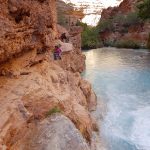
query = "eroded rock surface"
{"x": 26, "y": 25}
{"x": 30, "y": 96}
{"x": 56, "y": 132}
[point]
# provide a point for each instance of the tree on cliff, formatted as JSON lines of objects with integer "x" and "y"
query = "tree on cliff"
{"x": 144, "y": 9}
{"x": 144, "y": 13}
{"x": 90, "y": 36}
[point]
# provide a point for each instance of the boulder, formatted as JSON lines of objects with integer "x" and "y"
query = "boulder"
{"x": 56, "y": 132}
{"x": 65, "y": 47}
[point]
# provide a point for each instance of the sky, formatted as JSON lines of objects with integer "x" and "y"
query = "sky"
{"x": 106, "y": 3}
{"x": 93, "y": 9}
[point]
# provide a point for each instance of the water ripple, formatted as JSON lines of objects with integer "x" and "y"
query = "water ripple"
{"x": 121, "y": 78}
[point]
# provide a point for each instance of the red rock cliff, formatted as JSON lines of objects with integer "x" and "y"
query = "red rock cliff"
{"x": 26, "y": 26}
{"x": 136, "y": 32}
{"x": 32, "y": 84}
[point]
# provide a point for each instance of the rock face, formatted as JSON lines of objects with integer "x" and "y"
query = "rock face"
{"x": 75, "y": 36}
{"x": 127, "y": 28}
{"x": 32, "y": 83}
{"x": 68, "y": 18}
{"x": 125, "y": 7}
{"x": 28, "y": 97}
{"x": 26, "y": 26}
{"x": 56, "y": 132}
{"x": 73, "y": 59}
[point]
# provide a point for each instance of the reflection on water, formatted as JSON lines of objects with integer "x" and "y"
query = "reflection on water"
{"x": 122, "y": 79}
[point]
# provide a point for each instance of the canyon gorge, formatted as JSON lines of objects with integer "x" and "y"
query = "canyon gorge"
{"x": 48, "y": 104}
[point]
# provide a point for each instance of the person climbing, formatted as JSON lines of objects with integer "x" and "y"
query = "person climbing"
{"x": 57, "y": 52}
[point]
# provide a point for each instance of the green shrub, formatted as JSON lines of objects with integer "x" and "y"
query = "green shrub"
{"x": 131, "y": 19}
{"x": 104, "y": 25}
{"x": 144, "y": 9}
{"x": 144, "y": 13}
{"x": 148, "y": 42}
{"x": 90, "y": 37}
{"x": 53, "y": 110}
{"x": 109, "y": 43}
{"x": 127, "y": 44}
{"x": 119, "y": 18}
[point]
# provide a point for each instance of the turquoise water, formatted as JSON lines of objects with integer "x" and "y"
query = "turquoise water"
{"x": 121, "y": 78}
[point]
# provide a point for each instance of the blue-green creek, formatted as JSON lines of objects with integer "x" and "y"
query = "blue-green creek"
{"x": 121, "y": 79}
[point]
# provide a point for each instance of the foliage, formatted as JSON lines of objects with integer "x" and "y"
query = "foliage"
{"x": 148, "y": 43}
{"x": 127, "y": 44}
{"x": 119, "y": 18}
{"x": 144, "y": 9}
{"x": 109, "y": 43}
{"x": 90, "y": 36}
{"x": 132, "y": 19}
{"x": 144, "y": 13}
{"x": 104, "y": 25}
{"x": 113, "y": 23}
{"x": 122, "y": 44}
{"x": 120, "y": 23}
{"x": 53, "y": 110}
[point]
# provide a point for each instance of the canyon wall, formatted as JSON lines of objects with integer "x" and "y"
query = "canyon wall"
{"x": 126, "y": 27}
{"x": 33, "y": 87}
{"x": 26, "y": 26}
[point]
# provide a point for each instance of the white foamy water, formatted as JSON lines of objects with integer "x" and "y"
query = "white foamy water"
{"x": 141, "y": 128}
{"x": 121, "y": 78}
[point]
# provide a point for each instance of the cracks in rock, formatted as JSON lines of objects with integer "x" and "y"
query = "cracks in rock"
{"x": 35, "y": 63}
{"x": 41, "y": 1}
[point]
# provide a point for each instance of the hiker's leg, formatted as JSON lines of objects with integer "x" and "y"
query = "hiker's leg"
{"x": 59, "y": 56}
{"x": 55, "y": 56}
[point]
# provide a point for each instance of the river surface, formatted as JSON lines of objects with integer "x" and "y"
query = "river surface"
{"x": 121, "y": 79}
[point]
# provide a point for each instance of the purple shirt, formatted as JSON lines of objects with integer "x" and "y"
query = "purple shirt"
{"x": 58, "y": 50}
